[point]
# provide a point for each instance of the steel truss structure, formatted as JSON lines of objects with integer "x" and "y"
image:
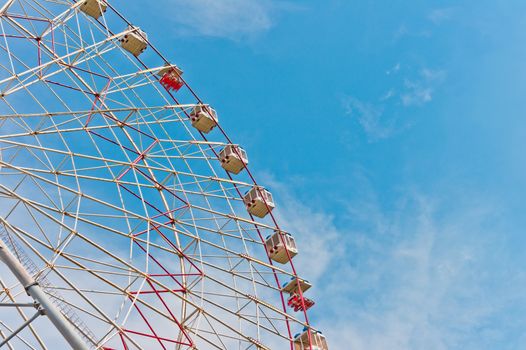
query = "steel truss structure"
{"x": 116, "y": 207}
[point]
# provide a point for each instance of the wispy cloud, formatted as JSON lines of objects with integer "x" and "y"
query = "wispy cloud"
{"x": 420, "y": 91}
{"x": 421, "y": 275}
{"x": 393, "y": 69}
{"x": 404, "y": 31}
{"x": 387, "y": 114}
{"x": 436, "y": 16}
{"x": 370, "y": 117}
{"x": 440, "y": 15}
{"x": 420, "y": 284}
{"x": 232, "y": 19}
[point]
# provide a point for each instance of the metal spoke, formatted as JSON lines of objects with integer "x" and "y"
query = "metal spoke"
{"x": 117, "y": 206}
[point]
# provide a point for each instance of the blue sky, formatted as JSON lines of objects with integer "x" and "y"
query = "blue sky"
{"x": 392, "y": 134}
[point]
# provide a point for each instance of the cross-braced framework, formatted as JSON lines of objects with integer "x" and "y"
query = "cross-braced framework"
{"x": 119, "y": 208}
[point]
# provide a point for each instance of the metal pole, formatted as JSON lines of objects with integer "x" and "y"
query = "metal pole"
{"x": 18, "y": 304}
{"x": 24, "y": 325}
{"x": 6, "y": 6}
{"x": 33, "y": 289}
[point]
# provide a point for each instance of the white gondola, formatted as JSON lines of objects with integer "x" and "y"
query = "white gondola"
{"x": 134, "y": 41}
{"x": 291, "y": 286}
{"x": 233, "y": 158}
{"x": 204, "y": 118}
{"x": 301, "y": 341}
{"x": 279, "y": 244}
{"x": 93, "y": 8}
{"x": 259, "y": 201}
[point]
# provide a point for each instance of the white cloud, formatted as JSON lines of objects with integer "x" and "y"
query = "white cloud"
{"x": 370, "y": 117}
{"x": 393, "y": 70}
{"x": 232, "y": 19}
{"x": 389, "y": 94}
{"x": 382, "y": 118}
{"x": 416, "y": 94}
{"x": 420, "y": 91}
{"x": 419, "y": 275}
{"x": 404, "y": 31}
{"x": 404, "y": 294}
{"x": 440, "y": 15}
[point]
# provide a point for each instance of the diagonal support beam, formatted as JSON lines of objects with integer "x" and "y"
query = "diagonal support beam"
{"x": 6, "y": 6}
{"x": 40, "y": 311}
{"x": 34, "y": 290}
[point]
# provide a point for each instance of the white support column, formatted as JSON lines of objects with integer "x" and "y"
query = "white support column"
{"x": 6, "y": 6}
{"x": 33, "y": 289}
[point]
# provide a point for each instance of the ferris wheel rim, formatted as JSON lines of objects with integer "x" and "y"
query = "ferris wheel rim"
{"x": 235, "y": 183}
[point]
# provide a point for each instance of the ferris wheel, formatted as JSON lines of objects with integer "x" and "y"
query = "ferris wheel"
{"x": 128, "y": 218}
